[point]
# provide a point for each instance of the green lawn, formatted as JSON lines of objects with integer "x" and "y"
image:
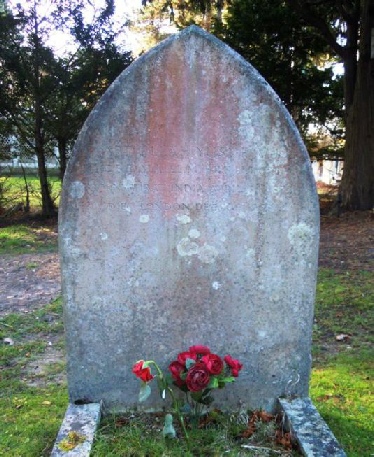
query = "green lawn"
{"x": 13, "y": 191}
{"x": 27, "y": 239}
{"x": 342, "y": 390}
{"x": 342, "y": 377}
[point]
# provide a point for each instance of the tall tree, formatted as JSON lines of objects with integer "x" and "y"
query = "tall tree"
{"x": 347, "y": 27}
{"x": 81, "y": 80}
{"x": 47, "y": 97}
{"x": 289, "y": 56}
{"x": 85, "y": 73}
{"x": 41, "y": 86}
{"x": 25, "y": 71}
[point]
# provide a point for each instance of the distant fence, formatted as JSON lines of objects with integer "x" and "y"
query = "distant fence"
{"x": 30, "y": 164}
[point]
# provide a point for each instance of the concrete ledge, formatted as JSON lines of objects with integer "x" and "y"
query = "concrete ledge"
{"x": 77, "y": 431}
{"x": 310, "y": 430}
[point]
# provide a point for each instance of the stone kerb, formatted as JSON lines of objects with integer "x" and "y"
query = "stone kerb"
{"x": 189, "y": 215}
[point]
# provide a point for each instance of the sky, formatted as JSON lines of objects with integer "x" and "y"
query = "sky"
{"x": 61, "y": 42}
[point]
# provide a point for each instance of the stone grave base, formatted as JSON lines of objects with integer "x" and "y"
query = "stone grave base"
{"x": 308, "y": 428}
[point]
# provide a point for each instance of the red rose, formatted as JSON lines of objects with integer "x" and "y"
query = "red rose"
{"x": 213, "y": 362}
{"x": 183, "y": 356}
{"x": 176, "y": 369}
{"x": 137, "y": 368}
{"x": 199, "y": 349}
{"x": 142, "y": 373}
{"x": 235, "y": 365}
{"x": 197, "y": 377}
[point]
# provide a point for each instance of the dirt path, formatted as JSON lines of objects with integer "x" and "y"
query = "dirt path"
{"x": 347, "y": 242}
{"x": 30, "y": 281}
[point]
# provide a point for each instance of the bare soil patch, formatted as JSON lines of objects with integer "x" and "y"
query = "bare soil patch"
{"x": 347, "y": 242}
{"x": 28, "y": 281}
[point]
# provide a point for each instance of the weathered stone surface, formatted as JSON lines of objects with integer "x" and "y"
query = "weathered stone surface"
{"x": 81, "y": 421}
{"x": 310, "y": 430}
{"x": 189, "y": 215}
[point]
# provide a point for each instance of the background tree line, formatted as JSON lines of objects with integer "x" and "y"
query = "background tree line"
{"x": 45, "y": 97}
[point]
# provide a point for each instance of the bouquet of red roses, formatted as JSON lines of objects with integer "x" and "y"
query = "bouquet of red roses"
{"x": 196, "y": 372}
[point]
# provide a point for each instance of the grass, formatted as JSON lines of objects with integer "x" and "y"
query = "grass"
{"x": 141, "y": 435}
{"x": 30, "y": 421}
{"x": 13, "y": 191}
{"x": 27, "y": 239}
{"x": 32, "y": 405}
{"x": 342, "y": 391}
{"x": 29, "y": 335}
{"x": 344, "y": 306}
{"x": 341, "y": 384}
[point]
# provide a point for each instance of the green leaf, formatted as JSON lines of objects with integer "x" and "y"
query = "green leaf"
{"x": 213, "y": 383}
{"x": 228, "y": 379}
{"x": 145, "y": 391}
{"x": 190, "y": 363}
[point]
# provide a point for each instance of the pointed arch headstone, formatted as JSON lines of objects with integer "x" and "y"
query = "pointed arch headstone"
{"x": 189, "y": 215}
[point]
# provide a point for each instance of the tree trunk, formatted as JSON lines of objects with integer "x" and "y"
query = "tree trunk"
{"x": 357, "y": 187}
{"x": 48, "y": 207}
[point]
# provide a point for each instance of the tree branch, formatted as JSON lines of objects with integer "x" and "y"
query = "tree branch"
{"x": 311, "y": 17}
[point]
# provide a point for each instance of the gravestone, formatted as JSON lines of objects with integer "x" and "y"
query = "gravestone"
{"x": 189, "y": 215}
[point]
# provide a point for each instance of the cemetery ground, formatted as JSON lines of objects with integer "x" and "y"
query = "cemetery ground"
{"x": 33, "y": 393}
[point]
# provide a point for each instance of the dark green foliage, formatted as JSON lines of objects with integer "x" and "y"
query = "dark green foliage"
{"x": 287, "y": 53}
{"x": 45, "y": 98}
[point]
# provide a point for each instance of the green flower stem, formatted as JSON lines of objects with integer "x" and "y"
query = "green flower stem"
{"x": 159, "y": 372}
{"x": 180, "y": 416}
{"x": 174, "y": 400}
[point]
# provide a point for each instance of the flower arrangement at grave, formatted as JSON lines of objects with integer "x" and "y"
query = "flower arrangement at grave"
{"x": 195, "y": 373}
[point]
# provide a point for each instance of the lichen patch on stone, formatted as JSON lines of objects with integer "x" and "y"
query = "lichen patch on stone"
{"x": 144, "y": 218}
{"x": 186, "y": 247}
{"x": 77, "y": 189}
{"x": 194, "y": 233}
{"x": 207, "y": 253}
{"x": 183, "y": 218}
{"x": 301, "y": 237}
{"x": 128, "y": 182}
